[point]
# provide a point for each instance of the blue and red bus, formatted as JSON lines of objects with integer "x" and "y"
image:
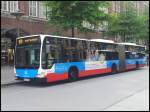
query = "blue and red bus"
{"x": 134, "y": 55}
{"x": 54, "y": 58}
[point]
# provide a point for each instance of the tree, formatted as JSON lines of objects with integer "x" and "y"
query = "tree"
{"x": 113, "y": 26}
{"x": 142, "y": 28}
{"x": 146, "y": 26}
{"x": 128, "y": 24}
{"x": 72, "y": 14}
{"x": 144, "y": 18}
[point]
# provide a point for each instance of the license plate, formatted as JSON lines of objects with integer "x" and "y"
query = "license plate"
{"x": 26, "y": 80}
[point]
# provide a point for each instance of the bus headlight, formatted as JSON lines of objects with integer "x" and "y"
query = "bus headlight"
{"x": 41, "y": 75}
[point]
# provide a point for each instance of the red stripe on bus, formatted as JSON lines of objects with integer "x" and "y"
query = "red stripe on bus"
{"x": 93, "y": 72}
{"x": 142, "y": 65}
{"x": 51, "y": 77}
{"x": 131, "y": 66}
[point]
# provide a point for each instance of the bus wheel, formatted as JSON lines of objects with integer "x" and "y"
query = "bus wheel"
{"x": 114, "y": 69}
{"x": 73, "y": 74}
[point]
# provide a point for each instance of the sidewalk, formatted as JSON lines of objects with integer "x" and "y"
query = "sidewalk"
{"x": 7, "y": 75}
{"x": 136, "y": 102}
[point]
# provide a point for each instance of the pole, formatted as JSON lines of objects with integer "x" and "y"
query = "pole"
{"x": 18, "y": 32}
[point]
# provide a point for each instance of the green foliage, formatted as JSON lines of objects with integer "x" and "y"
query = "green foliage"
{"x": 71, "y": 14}
{"x": 128, "y": 24}
{"x": 113, "y": 25}
{"x": 142, "y": 28}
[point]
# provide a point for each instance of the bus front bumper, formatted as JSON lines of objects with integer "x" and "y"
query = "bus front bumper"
{"x": 40, "y": 80}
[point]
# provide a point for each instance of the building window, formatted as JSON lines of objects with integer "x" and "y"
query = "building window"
{"x": 37, "y": 9}
{"x": 138, "y": 8}
{"x": 33, "y": 8}
{"x": 113, "y": 6}
{"x": 14, "y": 6}
{"x": 48, "y": 10}
{"x": 42, "y": 10}
{"x": 118, "y": 6}
{"x": 4, "y": 6}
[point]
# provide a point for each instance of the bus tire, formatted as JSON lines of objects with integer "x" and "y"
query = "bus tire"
{"x": 137, "y": 65}
{"x": 73, "y": 74}
{"x": 114, "y": 69}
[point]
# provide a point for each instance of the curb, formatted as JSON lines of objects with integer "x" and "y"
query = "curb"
{"x": 10, "y": 83}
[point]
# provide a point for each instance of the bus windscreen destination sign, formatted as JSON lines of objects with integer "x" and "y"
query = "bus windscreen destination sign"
{"x": 28, "y": 41}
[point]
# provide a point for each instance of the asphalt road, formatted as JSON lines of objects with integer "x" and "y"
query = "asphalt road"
{"x": 98, "y": 93}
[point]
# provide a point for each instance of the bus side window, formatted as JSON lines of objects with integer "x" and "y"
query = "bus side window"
{"x": 85, "y": 47}
{"x": 74, "y": 52}
{"x": 65, "y": 52}
{"x": 102, "y": 57}
{"x": 84, "y": 55}
{"x": 108, "y": 56}
{"x": 128, "y": 55}
{"x": 115, "y": 56}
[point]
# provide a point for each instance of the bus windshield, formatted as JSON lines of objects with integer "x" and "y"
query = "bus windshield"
{"x": 27, "y": 54}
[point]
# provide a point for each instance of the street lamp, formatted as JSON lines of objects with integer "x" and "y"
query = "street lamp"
{"x": 18, "y": 15}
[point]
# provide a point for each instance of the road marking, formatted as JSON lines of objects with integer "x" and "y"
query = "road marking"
{"x": 117, "y": 102}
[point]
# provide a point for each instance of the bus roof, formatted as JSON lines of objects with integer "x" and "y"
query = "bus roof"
{"x": 126, "y": 43}
{"x": 95, "y": 40}
{"x": 107, "y": 50}
{"x": 102, "y": 40}
{"x": 53, "y": 36}
{"x": 27, "y": 36}
{"x": 130, "y": 44}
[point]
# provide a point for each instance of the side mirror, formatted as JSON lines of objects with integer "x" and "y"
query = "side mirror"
{"x": 48, "y": 48}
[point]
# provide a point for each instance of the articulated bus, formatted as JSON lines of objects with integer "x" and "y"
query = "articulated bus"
{"x": 134, "y": 55}
{"x": 53, "y": 58}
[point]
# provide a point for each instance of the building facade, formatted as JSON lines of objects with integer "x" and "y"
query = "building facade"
{"x": 34, "y": 21}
